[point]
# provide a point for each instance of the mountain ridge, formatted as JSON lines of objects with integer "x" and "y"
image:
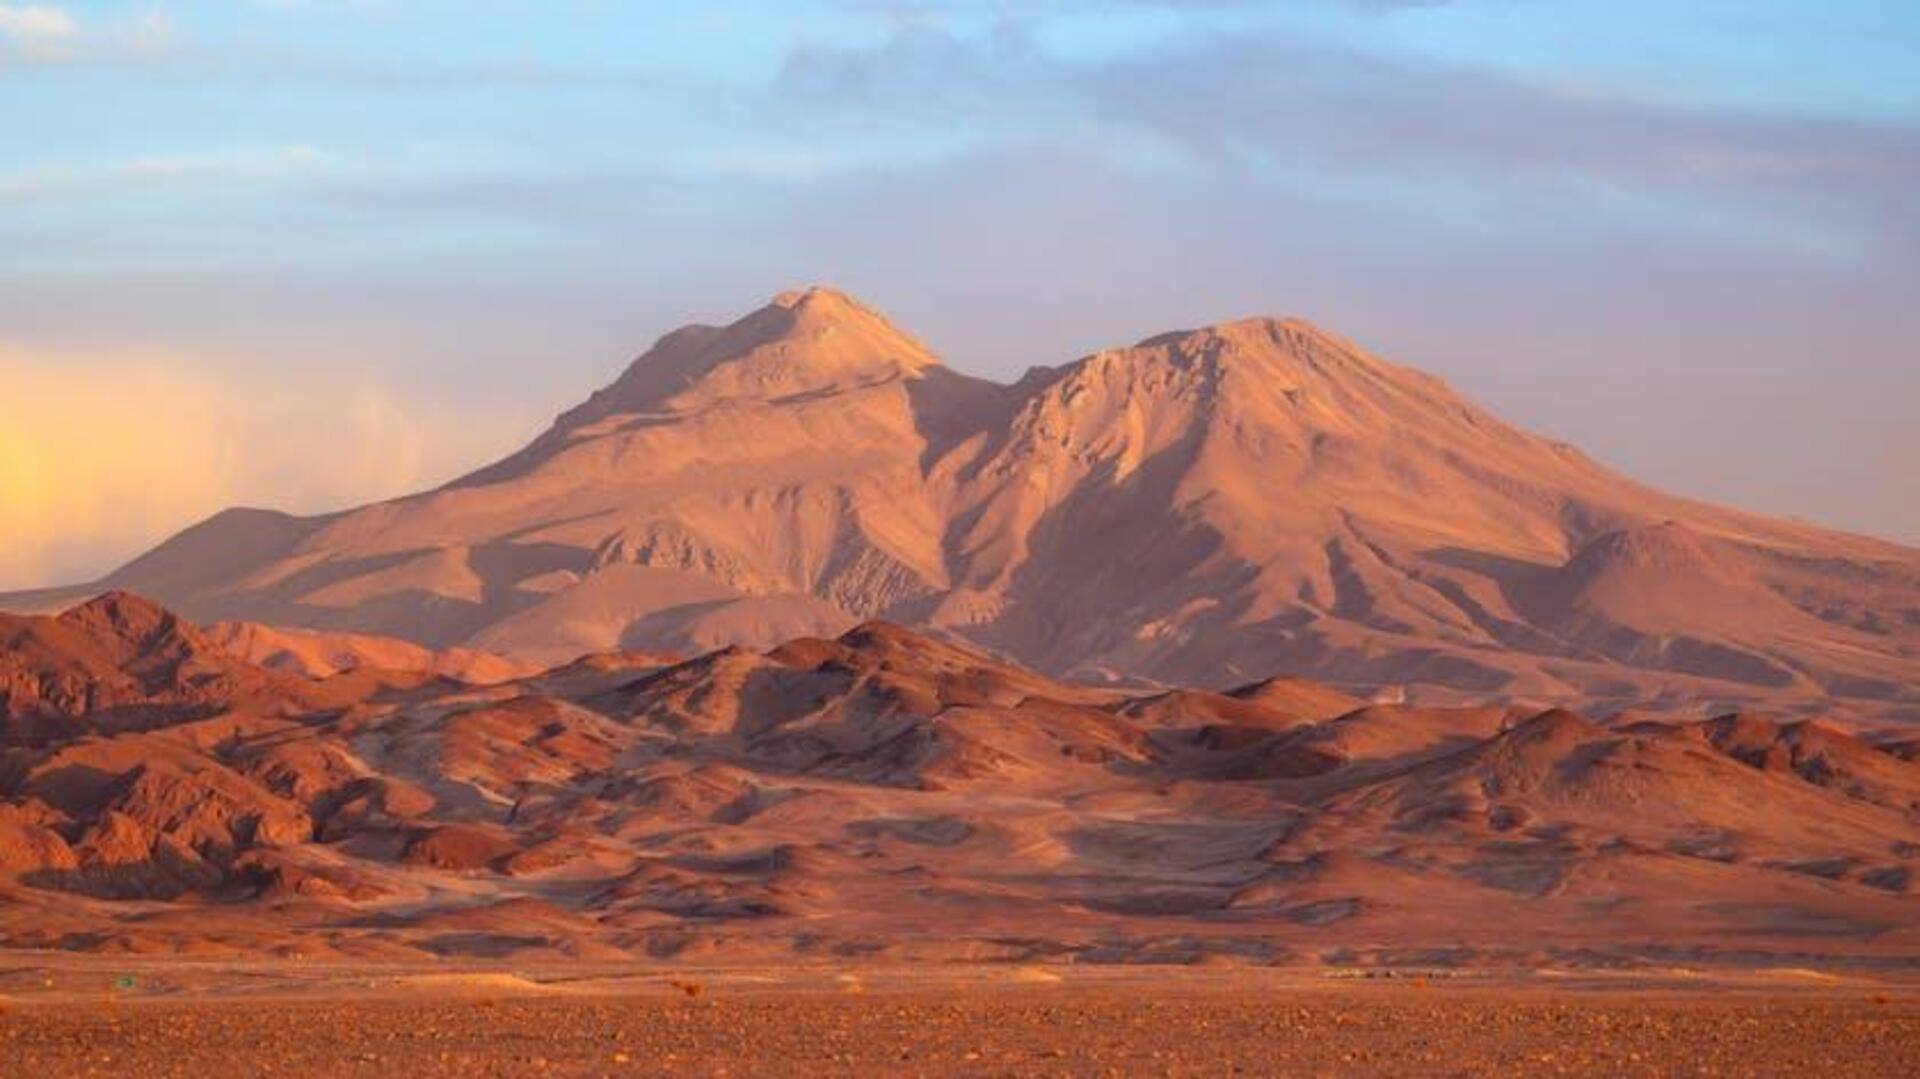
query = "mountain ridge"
{"x": 888, "y": 794}
{"x": 1212, "y": 506}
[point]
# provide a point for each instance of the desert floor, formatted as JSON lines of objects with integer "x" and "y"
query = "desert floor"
{"x": 65, "y": 1017}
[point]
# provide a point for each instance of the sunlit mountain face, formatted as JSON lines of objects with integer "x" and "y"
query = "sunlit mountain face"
{"x": 1205, "y": 507}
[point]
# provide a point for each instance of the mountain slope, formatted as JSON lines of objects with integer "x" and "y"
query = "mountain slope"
{"x": 1212, "y": 506}
{"x": 886, "y": 793}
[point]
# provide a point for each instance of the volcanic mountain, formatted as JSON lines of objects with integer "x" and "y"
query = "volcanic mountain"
{"x": 886, "y": 794}
{"x": 1212, "y": 506}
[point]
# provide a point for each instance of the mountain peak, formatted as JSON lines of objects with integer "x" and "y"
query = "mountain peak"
{"x": 123, "y": 616}
{"x": 823, "y": 299}
{"x": 141, "y": 636}
{"x": 1288, "y": 338}
{"x": 804, "y": 341}
{"x": 821, "y": 311}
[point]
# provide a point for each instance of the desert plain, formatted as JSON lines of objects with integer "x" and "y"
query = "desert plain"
{"x": 66, "y": 1016}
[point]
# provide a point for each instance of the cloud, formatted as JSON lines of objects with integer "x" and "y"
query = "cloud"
{"x": 35, "y": 24}
{"x": 102, "y": 457}
{"x": 147, "y": 40}
{"x": 1283, "y": 102}
{"x": 44, "y": 34}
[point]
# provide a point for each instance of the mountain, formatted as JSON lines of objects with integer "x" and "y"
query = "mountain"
{"x": 119, "y": 657}
{"x": 887, "y": 793}
{"x": 1211, "y": 507}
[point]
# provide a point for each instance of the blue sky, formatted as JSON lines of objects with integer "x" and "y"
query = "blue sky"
{"x": 1681, "y": 235}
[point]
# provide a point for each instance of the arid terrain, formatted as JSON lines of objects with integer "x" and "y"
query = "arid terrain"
{"x": 1233, "y": 702}
{"x": 955, "y": 538}
{"x": 183, "y": 1019}
{"x": 891, "y": 796}
{"x": 1205, "y": 508}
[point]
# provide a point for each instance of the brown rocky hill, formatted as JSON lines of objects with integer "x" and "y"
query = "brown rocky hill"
{"x": 886, "y": 793}
{"x": 1206, "y": 507}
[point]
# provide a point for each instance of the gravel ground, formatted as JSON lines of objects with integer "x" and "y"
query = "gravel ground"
{"x": 1126, "y": 1030}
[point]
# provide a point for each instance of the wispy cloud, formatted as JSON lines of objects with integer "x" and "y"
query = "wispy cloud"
{"x": 149, "y": 41}
{"x": 1241, "y": 100}
{"x": 35, "y": 24}
{"x": 41, "y": 34}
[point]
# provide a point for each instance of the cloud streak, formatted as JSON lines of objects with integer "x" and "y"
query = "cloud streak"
{"x": 1271, "y": 99}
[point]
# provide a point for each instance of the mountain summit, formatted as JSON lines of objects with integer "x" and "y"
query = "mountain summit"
{"x": 813, "y": 340}
{"x": 1215, "y": 505}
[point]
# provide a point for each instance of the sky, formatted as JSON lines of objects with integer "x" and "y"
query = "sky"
{"x": 306, "y": 253}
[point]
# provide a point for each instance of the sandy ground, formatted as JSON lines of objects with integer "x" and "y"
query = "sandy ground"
{"x": 95, "y": 1019}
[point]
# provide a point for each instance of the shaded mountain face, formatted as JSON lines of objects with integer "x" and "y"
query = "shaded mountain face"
{"x": 1217, "y": 506}
{"x": 888, "y": 793}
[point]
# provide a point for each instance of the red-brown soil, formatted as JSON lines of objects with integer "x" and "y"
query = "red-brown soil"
{"x": 863, "y": 1021}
